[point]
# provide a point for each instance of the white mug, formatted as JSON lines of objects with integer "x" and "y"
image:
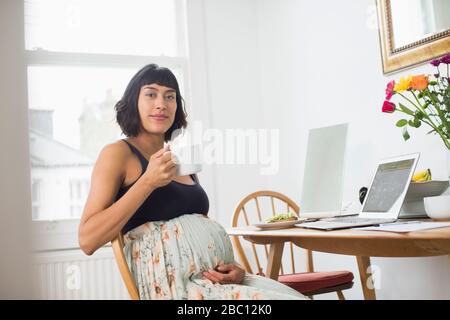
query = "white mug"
{"x": 188, "y": 159}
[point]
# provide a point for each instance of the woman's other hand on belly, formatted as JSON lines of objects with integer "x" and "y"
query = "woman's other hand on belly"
{"x": 225, "y": 274}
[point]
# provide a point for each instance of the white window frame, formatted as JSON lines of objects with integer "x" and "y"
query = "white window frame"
{"x": 63, "y": 233}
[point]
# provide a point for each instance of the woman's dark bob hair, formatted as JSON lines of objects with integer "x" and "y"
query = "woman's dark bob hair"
{"x": 127, "y": 113}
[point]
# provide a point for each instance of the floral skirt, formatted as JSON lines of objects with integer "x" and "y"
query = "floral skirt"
{"x": 167, "y": 259}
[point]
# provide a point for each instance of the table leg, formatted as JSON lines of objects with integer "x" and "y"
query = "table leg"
{"x": 310, "y": 261}
{"x": 274, "y": 262}
{"x": 366, "y": 279}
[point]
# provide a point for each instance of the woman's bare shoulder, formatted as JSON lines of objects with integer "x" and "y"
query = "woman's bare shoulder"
{"x": 117, "y": 152}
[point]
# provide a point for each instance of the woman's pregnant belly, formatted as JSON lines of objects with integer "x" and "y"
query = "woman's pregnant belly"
{"x": 183, "y": 247}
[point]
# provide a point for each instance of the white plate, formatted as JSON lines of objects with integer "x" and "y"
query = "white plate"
{"x": 277, "y": 225}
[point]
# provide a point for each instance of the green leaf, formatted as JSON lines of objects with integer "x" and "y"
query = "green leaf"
{"x": 417, "y": 123}
{"x": 401, "y": 123}
{"x": 406, "y": 135}
{"x": 418, "y": 115}
{"x": 406, "y": 110}
{"x": 433, "y": 83}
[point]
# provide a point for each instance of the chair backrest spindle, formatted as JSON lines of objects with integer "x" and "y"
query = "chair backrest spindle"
{"x": 257, "y": 197}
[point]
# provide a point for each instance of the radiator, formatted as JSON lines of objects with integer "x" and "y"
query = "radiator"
{"x": 70, "y": 274}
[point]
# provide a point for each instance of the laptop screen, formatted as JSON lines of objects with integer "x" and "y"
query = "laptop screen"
{"x": 388, "y": 186}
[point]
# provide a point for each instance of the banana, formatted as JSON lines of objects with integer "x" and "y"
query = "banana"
{"x": 422, "y": 176}
{"x": 419, "y": 175}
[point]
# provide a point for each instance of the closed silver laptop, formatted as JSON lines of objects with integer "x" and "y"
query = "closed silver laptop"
{"x": 324, "y": 172}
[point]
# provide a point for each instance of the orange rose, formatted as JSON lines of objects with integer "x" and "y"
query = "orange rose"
{"x": 419, "y": 82}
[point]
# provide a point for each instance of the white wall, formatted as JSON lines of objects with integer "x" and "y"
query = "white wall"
{"x": 15, "y": 197}
{"x": 296, "y": 65}
{"x": 234, "y": 91}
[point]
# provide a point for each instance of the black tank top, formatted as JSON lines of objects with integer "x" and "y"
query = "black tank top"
{"x": 168, "y": 202}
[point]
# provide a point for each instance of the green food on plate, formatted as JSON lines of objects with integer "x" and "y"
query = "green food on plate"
{"x": 282, "y": 217}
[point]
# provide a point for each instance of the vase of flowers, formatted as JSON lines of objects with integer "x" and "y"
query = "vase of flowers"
{"x": 423, "y": 99}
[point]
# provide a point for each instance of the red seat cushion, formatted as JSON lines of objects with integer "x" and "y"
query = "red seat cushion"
{"x": 312, "y": 281}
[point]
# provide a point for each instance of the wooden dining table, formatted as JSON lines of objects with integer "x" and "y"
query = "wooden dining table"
{"x": 362, "y": 244}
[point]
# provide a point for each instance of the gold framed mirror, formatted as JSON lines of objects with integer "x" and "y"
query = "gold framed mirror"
{"x": 412, "y": 32}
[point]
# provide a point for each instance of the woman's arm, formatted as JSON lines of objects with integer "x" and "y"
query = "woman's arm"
{"x": 103, "y": 218}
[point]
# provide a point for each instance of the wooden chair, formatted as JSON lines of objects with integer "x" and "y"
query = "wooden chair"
{"x": 117, "y": 246}
{"x": 309, "y": 283}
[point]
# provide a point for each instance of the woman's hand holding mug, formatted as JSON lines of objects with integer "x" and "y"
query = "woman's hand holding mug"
{"x": 161, "y": 168}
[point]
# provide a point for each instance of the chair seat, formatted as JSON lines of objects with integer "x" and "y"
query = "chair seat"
{"x": 313, "y": 281}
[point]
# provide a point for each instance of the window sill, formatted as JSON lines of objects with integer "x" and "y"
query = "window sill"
{"x": 52, "y": 235}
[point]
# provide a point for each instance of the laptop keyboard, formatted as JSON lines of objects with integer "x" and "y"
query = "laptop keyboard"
{"x": 356, "y": 220}
{"x": 343, "y": 223}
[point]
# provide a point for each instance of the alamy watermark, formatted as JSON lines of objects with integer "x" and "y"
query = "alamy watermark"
{"x": 374, "y": 280}
{"x": 230, "y": 146}
{"x": 73, "y": 277}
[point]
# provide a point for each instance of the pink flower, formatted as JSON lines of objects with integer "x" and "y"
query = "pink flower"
{"x": 388, "y": 107}
{"x": 446, "y": 59}
{"x": 390, "y": 90}
{"x": 436, "y": 62}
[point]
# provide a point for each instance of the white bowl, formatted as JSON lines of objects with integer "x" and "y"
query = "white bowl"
{"x": 438, "y": 208}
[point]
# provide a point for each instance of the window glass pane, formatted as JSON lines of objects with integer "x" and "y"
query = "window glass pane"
{"x": 75, "y": 105}
{"x": 35, "y": 190}
{"x": 71, "y": 190}
{"x": 71, "y": 118}
{"x": 78, "y": 190}
{"x": 133, "y": 27}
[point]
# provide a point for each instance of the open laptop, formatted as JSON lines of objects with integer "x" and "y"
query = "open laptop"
{"x": 324, "y": 172}
{"x": 384, "y": 197}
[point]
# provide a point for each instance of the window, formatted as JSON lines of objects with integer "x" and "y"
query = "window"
{"x": 133, "y": 27}
{"x": 81, "y": 55}
{"x": 35, "y": 197}
{"x": 78, "y": 193}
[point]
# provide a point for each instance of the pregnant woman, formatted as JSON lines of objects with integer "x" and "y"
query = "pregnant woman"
{"x": 173, "y": 249}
